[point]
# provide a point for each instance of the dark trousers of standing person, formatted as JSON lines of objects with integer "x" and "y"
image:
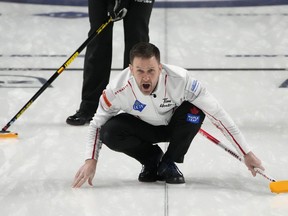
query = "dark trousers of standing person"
{"x": 136, "y": 138}
{"x": 98, "y": 56}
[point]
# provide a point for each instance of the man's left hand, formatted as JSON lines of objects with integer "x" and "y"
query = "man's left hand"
{"x": 252, "y": 162}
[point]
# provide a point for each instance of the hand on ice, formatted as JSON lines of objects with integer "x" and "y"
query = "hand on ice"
{"x": 86, "y": 172}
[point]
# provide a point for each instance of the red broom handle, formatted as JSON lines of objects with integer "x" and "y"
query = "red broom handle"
{"x": 231, "y": 152}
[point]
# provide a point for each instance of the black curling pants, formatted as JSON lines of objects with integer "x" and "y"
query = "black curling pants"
{"x": 98, "y": 56}
{"x": 136, "y": 138}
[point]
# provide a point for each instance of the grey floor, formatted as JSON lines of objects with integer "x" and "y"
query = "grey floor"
{"x": 239, "y": 53}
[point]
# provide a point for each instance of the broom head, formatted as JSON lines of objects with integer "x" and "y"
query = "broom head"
{"x": 8, "y": 134}
{"x": 279, "y": 187}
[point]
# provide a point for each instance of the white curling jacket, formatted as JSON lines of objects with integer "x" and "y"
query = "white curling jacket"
{"x": 175, "y": 85}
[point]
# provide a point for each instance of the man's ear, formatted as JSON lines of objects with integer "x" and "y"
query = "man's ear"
{"x": 160, "y": 67}
{"x": 131, "y": 68}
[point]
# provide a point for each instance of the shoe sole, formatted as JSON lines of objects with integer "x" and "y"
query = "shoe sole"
{"x": 175, "y": 182}
{"x": 147, "y": 180}
{"x": 77, "y": 123}
{"x": 180, "y": 180}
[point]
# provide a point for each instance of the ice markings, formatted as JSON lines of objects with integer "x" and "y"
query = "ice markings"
{"x": 65, "y": 15}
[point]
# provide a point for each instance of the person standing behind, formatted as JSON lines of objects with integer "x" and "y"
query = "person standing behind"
{"x": 98, "y": 57}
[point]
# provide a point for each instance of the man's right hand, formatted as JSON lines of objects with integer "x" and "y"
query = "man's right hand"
{"x": 117, "y": 9}
{"x": 86, "y": 172}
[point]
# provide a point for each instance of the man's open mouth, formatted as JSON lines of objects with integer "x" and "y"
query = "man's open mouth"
{"x": 146, "y": 86}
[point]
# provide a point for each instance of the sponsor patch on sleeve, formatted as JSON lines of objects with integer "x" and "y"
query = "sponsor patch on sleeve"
{"x": 194, "y": 87}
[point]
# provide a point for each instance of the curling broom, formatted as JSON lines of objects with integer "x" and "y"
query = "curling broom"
{"x": 275, "y": 186}
{"x": 4, "y": 133}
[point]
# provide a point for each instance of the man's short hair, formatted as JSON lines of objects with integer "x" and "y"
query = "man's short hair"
{"x": 144, "y": 50}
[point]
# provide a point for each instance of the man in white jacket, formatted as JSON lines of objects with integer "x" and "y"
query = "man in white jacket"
{"x": 148, "y": 103}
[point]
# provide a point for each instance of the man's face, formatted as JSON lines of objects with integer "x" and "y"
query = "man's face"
{"x": 146, "y": 73}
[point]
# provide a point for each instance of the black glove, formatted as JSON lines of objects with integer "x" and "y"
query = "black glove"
{"x": 117, "y": 9}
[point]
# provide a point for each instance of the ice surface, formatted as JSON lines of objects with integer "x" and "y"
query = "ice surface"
{"x": 36, "y": 170}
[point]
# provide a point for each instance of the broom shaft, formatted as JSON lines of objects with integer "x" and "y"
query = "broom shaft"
{"x": 231, "y": 152}
{"x": 55, "y": 75}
